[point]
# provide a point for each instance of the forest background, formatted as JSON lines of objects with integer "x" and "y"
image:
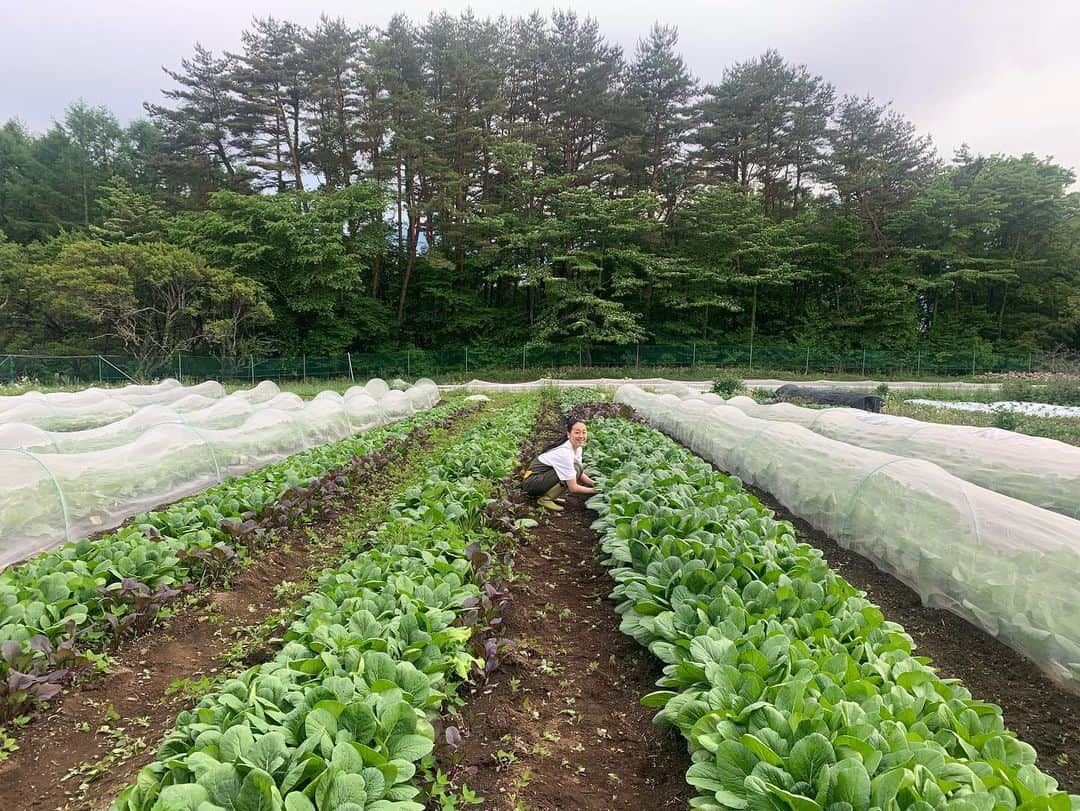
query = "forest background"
{"x": 517, "y": 181}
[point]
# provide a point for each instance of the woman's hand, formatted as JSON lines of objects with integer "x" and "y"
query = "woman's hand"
{"x": 574, "y": 487}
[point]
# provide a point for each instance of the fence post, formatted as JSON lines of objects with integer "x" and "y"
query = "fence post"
{"x": 10, "y": 360}
{"x": 806, "y": 371}
{"x": 579, "y": 362}
{"x": 637, "y": 354}
{"x": 751, "y": 353}
{"x": 524, "y": 347}
{"x": 864, "y": 362}
{"x": 100, "y": 371}
{"x": 918, "y": 363}
{"x": 180, "y": 366}
{"x": 348, "y": 357}
{"x": 101, "y": 359}
{"x": 251, "y": 360}
{"x": 693, "y": 354}
{"x": 408, "y": 362}
{"x": 466, "y": 360}
{"x": 973, "y": 362}
{"x": 1029, "y": 362}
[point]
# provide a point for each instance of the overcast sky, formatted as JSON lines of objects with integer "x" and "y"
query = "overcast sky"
{"x": 1001, "y": 75}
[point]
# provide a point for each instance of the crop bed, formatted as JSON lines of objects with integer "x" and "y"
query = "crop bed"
{"x": 341, "y": 717}
{"x": 559, "y": 725}
{"x": 91, "y": 740}
{"x": 791, "y": 688}
{"x": 61, "y": 607}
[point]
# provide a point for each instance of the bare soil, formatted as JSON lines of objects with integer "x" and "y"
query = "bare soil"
{"x": 560, "y": 725}
{"x": 92, "y": 741}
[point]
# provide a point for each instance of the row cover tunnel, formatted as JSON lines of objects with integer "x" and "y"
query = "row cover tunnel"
{"x": 60, "y": 486}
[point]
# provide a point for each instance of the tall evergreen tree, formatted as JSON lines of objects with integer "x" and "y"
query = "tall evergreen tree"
{"x": 198, "y": 126}
{"x": 331, "y": 56}
{"x": 659, "y": 91}
{"x": 877, "y": 161}
{"x": 269, "y": 81}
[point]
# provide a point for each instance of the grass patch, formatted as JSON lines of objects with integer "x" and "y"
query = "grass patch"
{"x": 1060, "y": 428}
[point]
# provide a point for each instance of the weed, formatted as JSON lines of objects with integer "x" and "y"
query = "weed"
{"x": 193, "y": 688}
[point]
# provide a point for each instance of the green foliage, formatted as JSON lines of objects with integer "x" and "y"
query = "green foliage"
{"x": 1007, "y": 420}
{"x": 515, "y": 180}
{"x": 129, "y": 215}
{"x": 63, "y": 594}
{"x": 341, "y": 717}
{"x": 728, "y": 385}
{"x": 791, "y": 688}
{"x": 150, "y": 299}
{"x": 313, "y": 254}
{"x": 1019, "y": 390}
{"x": 1061, "y": 392}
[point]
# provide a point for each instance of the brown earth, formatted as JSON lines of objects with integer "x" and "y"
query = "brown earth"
{"x": 92, "y": 741}
{"x": 560, "y": 725}
{"x": 1041, "y": 713}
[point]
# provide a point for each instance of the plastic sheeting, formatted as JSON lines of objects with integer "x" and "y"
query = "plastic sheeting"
{"x": 49, "y": 496}
{"x": 1007, "y": 566}
{"x": 1015, "y": 406}
{"x": 703, "y": 385}
{"x": 833, "y": 397}
{"x": 1040, "y": 471}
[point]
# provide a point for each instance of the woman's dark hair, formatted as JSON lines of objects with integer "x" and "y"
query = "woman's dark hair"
{"x": 568, "y": 424}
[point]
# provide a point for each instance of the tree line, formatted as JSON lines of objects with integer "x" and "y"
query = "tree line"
{"x": 514, "y": 180}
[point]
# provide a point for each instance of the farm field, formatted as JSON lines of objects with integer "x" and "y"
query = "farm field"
{"x": 292, "y": 306}
{"x": 313, "y": 385}
{"x": 400, "y": 629}
{"x": 1063, "y": 429}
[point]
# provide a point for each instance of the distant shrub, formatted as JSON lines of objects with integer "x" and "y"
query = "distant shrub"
{"x": 1017, "y": 390}
{"x": 1062, "y": 392}
{"x": 1006, "y": 420}
{"x": 728, "y": 385}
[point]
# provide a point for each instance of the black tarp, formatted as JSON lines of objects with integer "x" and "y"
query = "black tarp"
{"x": 852, "y": 399}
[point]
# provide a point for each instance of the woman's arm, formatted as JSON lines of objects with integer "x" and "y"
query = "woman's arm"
{"x": 584, "y": 479}
{"x": 573, "y": 486}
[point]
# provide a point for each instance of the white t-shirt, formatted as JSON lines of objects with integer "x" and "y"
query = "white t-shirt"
{"x": 562, "y": 458}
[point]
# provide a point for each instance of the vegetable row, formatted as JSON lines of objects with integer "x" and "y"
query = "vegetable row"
{"x": 93, "y": 484}
{"x": 77, "y": 596}
{"x": 791, "y": 689}
{"x": 340, "y": 719}
{"x": 1040, "y": 471}
{"x": 1002, "y": 564}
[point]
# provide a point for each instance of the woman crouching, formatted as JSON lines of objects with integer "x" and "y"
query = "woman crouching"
{"x": 558, "y": 469}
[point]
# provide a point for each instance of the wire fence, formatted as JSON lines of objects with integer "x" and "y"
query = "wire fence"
{"x": 530, "y": 360}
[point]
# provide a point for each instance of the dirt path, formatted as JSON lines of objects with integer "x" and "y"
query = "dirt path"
{"x": 1040, "y": 712}
{"x": 560, "y": 725}
{"x": 93, "y": 741}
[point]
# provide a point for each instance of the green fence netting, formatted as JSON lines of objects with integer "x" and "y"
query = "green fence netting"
{"x": 536, "y": 360}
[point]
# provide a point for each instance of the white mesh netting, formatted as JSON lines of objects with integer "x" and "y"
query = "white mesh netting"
{"x": 57, "y": 486}
{"x": 94, "y": 407}
{"x": 1003, "y": 564}
{"x": 1043, "y": 472}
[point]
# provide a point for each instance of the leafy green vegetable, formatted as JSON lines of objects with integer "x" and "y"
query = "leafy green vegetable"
{"x": 341, "y": 717}
{"x": 791, "y": 688}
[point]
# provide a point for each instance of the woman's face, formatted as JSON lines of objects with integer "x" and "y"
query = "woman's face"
{"x": 578, "y": 434}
